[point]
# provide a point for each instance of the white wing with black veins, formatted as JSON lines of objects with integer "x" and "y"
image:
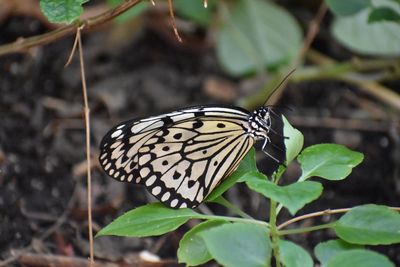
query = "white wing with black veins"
{"x": 180, "y": 156}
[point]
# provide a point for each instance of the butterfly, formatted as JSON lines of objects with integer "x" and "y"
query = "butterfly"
{"x": 180, "y": 157}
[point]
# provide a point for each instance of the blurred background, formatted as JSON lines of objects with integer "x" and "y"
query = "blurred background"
{"x": 345, "y": 90}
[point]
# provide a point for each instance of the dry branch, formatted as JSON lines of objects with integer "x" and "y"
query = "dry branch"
{"x": 24, "y": 44}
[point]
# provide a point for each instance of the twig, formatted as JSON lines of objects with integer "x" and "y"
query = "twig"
{"x": 377, "y": 90}
{"x": 311, "y": 34}
{"x": 171, "y": 14}
{"x": 320, "y": 213}
{"x": 71, "y": 55}
{"x": 23, "y": 44}
{"x": 88, "y": 159}
{"x": 339, "y": 123}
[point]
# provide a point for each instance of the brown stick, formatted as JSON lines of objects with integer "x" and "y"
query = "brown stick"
{"x": 87, "y": 128}
{"x": 321, "y": 213}
{"x": 23, "y": 44}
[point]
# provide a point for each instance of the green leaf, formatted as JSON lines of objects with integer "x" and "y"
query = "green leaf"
{"x": 383, "y": 14}
{"x": 195, "y": 10}
{"x": 254, "y": 175}
{"x": 251, "y": 37}
{"x": 248, "y": 164}
{"x": 62, "y": 11}
{"x": 377, "y": 39}
{"x": 359, "y": 257}
{"x": 292, "y": 255}
{"x": 293, "y": 196}
{"x": 329, "y": 161}
{"x": 149, "y": 220}
{"x": 347, "y": 8}
{"x": 239, "y": 244}
{"x": 192, "y": 249}
{"x": 369, "y": 225}
{"x": 325, "y": 251}
{"x": 294, "y": 143}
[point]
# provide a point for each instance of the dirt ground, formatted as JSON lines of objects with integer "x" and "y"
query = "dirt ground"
{"x": 42, "y": 149}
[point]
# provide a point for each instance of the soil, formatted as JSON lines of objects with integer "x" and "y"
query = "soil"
{"x": 42, "y": 137}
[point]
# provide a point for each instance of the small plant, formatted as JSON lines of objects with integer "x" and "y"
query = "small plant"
{"x": 245, "y": 241}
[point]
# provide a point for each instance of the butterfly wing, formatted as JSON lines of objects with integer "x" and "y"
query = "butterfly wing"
{"x": 181, "y": 165}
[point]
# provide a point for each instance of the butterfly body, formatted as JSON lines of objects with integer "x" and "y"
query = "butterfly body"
{"x": 183, "y": 155}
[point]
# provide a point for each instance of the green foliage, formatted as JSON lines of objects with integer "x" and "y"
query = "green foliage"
{"x": 383, "y": 14}
{"x": 239, "y": 244}
{"x": 194, "y": 10}
{"x": 192, "y": 248}
{"x": 233, "y": 241}
{"x": 369, "y": 225}
{"x": 293, "y": 255}
{"x": 293, "y": 196}
{"x": 62, "y": 11}
{"x": 250, "y": 37}
{"x": 325, "y": 251}
{"x": 149, "y": 220}
{"x": 374, "y": 30}
{"x": 294, "y": 142}
{"x": 358, "y": 257}
{"x": 329, "y": 161}
{"x": 347, "y": 8}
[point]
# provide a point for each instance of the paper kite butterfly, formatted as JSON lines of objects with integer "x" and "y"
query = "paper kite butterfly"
{"x": 182, "y": 156}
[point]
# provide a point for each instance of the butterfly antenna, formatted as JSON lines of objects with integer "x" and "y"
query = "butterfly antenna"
{"x": 284, "y": 80}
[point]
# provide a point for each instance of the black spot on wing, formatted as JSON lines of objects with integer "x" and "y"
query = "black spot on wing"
{"x": 197, "y": 124}
{"x": 221, "y": 125}
{"x": 176, "y": 175}
{"x": 177, "y": 136}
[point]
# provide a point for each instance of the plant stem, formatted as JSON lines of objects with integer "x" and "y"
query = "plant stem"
{"x": 233, "y": 219}
{"x": 274, "y": 233}
{"x": 305, "y": 229}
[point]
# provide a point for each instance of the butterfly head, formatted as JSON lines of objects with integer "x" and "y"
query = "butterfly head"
{"x": 260, "y": 122}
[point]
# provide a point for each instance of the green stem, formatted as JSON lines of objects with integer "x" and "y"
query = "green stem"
{"x": 305, "y": 229}
{"x": 224, "y": 202}
{"x": 274, "y": 233}
{"x": 232, "y": 219}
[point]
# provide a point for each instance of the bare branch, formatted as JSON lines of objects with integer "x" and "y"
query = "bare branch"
{"x": 23, "y": 44}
